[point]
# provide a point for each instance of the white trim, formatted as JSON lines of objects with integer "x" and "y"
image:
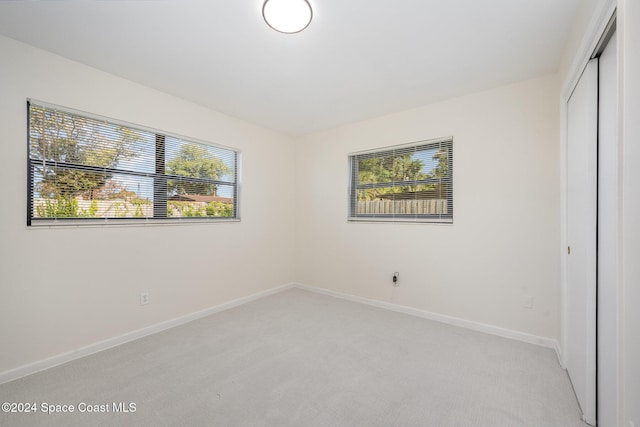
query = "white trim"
{"x": 59, "y": 359}
{"x": 419, "y": 220}
{"x": 450, "y": 320}
{"x": 44, "y": 223}
{"x": 558, "y": 351}
{"x": 594, "y": 32}
{"x": 564, "y": 135}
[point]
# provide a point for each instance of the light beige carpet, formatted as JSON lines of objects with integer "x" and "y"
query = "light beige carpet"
{"x": 299, "y": 358}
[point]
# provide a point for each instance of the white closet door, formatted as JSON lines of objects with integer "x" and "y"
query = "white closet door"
{"x": 608, "y": 230}
{"x": 582, "y": 145}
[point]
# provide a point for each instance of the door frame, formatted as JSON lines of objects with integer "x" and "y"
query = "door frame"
{"x": 609, "y": 252}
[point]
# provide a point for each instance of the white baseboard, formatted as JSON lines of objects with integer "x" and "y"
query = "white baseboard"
{"x": 59, "y": 359}
{"x": 455, "y": 321}
{"x": 558, "y": 350}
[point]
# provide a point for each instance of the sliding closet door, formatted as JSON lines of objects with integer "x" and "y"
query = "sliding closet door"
{"x": 608, "y": 231}
{"x": 582, "y": 142}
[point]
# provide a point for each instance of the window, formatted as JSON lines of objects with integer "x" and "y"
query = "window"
{"x": 404, "y": 183}
{"x": 85, "y": 169}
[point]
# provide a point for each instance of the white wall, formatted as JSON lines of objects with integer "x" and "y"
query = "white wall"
{"x": 62, "y": 289}
{"x": 629, "y": 32}
{"x": 504, "y": 242}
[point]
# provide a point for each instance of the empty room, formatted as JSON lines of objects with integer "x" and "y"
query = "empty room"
{"x": 320, "y": 213}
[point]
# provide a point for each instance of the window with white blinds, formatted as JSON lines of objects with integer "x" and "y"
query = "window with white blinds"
{"x": 85, "y": 169}
{"x": 404, "y": 183}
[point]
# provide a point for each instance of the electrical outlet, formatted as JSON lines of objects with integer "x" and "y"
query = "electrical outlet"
{"x": 396, "y": 277}
{"x": 144, "y": 298}
{"x": 527, "y": 301}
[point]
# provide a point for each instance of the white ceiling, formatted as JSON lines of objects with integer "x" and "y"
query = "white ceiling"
{"x": 358, "y": 59}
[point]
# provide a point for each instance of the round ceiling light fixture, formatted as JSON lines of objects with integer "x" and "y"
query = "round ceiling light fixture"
{"x": 287, "y": 16}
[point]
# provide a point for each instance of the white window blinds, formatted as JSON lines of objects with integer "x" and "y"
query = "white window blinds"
{"x": 87, "y": 169}
{"x": 404, "y": 183}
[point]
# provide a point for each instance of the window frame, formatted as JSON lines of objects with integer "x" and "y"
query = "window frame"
{"x": 354, "y": 186}
{"x": 36, "y": 222}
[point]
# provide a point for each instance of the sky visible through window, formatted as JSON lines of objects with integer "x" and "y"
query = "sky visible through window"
{"x": 145, "y": 163}
{"x": 429, "y": 160}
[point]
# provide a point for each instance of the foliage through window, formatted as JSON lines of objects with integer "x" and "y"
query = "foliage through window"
{"x": 93, "y": 169}
{"x": 404, "y": 183}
